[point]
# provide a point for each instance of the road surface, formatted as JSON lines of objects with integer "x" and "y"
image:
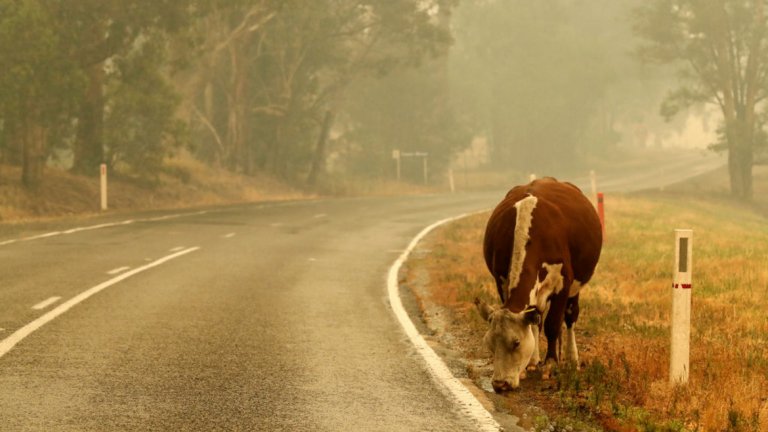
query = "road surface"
{"x": 267, "y": 317}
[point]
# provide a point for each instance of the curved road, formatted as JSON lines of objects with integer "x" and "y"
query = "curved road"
{"x": 257, "y": 317}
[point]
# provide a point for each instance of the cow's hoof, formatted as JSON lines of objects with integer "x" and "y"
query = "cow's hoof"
{"x": 548, "y": 370}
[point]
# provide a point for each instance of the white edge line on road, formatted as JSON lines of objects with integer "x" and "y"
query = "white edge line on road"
{"x": 230, "y": 235}
{"x": 99, "y": 226}
{"x": 118, "y": 270}
{"x": 8, "y": 343}
{"x": 440, "y": 372}
{"x": 45, "y": 303}
{"x": 93, "y": 227}
{"x": 41, "y": 236}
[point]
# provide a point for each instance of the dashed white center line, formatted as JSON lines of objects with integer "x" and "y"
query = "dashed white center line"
{"x": 9, "y": 342}
{"x": 118, "y": 270}
{"x": 230, "y": 235}
{"x": 321, "y": 215}
{"x": 176, "y": 249}
{"x": 45, "y": 303}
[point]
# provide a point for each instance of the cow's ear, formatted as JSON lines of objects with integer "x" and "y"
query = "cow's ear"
{"x": 483, "y": 308}
{"x": 531, "y": 315}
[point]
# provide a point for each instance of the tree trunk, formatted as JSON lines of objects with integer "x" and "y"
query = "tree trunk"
{"x": 318, "y": 161}
{"x": 743, "y": 124}
{"x": 237, "y": 113}
{"x": 14, "y": 141}
{"x": 34, "y": 136}
{"x": 746, "y": 161}
{"x": 734, "y": 174}
{"x": 740, "y": 158}
{"x": 89, "y": 147}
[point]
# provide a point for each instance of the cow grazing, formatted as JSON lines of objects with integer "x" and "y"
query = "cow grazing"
{"x": 541, "y": 245}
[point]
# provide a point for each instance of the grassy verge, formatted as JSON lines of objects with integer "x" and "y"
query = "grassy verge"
{"x": 623, "y": 330}
{"x": 183, "y": 182}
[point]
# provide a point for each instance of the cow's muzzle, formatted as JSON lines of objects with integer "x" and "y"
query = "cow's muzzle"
{"x": 501, "y": 386}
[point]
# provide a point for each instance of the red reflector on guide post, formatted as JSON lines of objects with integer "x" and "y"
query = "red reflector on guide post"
{"x": 682, "y": 286}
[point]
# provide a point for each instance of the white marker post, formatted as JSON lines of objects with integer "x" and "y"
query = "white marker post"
{"x": 681, "y": 307}
{"x": 103, "y": 187}
{"x": 451, "y": 185}
{"x": 396, "y": 157}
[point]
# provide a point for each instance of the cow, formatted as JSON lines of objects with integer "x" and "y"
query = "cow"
{"x": 541, "y": 245}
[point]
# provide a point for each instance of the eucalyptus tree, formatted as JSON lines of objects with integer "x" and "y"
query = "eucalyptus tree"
{"x": 277, "y": 72}
{"x": 38, "y": 84}
{"x": 101, "y": 36}
{"x": 547, "y": 82}
{"x": 217, "y": 88}
{"x": 408, "y": 110}
{"x": 721, "y": 49}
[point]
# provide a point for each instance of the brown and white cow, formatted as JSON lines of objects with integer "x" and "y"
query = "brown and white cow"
{"x": 541, "y": 245}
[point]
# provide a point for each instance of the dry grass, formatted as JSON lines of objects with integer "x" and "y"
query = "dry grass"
{"x": 184, "y": 183}
{"x": 623, "y": 328}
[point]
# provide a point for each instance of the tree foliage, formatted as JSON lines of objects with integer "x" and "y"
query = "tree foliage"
{"x": 719, "y": 48}
{"x": 276, "y": 69}
{"x": 249, "y": 85}
{"x": 533, "y": 75}
{"x": 37, "y": 85}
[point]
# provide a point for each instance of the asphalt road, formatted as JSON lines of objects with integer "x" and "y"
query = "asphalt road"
{"x": 258, "y": 317}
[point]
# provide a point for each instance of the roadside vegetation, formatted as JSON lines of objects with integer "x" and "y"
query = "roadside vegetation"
{"x": 323, "y": 95}
{"x": 186, "y": 182}
{"x": 623, "y": 329}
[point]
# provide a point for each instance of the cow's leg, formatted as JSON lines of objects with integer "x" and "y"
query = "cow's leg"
{"x": 571, "y": 315}
{"x": 536, "y": 357}
{"x": 552, "y": 328}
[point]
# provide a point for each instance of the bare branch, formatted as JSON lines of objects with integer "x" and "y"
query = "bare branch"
{"x": 210, "y": 127}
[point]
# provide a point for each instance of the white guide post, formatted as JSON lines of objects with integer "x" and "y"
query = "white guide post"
{"x": 450, "y": 180}
{"x": 681, "y": 307}
{"x": 396, "y": 157}
{"x": 593, "y": 183}
{"x": 103, "y": 187}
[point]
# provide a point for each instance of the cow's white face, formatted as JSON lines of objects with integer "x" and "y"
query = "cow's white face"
{"x": 510, "y": 339}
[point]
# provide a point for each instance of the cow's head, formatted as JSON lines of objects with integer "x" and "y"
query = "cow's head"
{"x": 510, "y": 340}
